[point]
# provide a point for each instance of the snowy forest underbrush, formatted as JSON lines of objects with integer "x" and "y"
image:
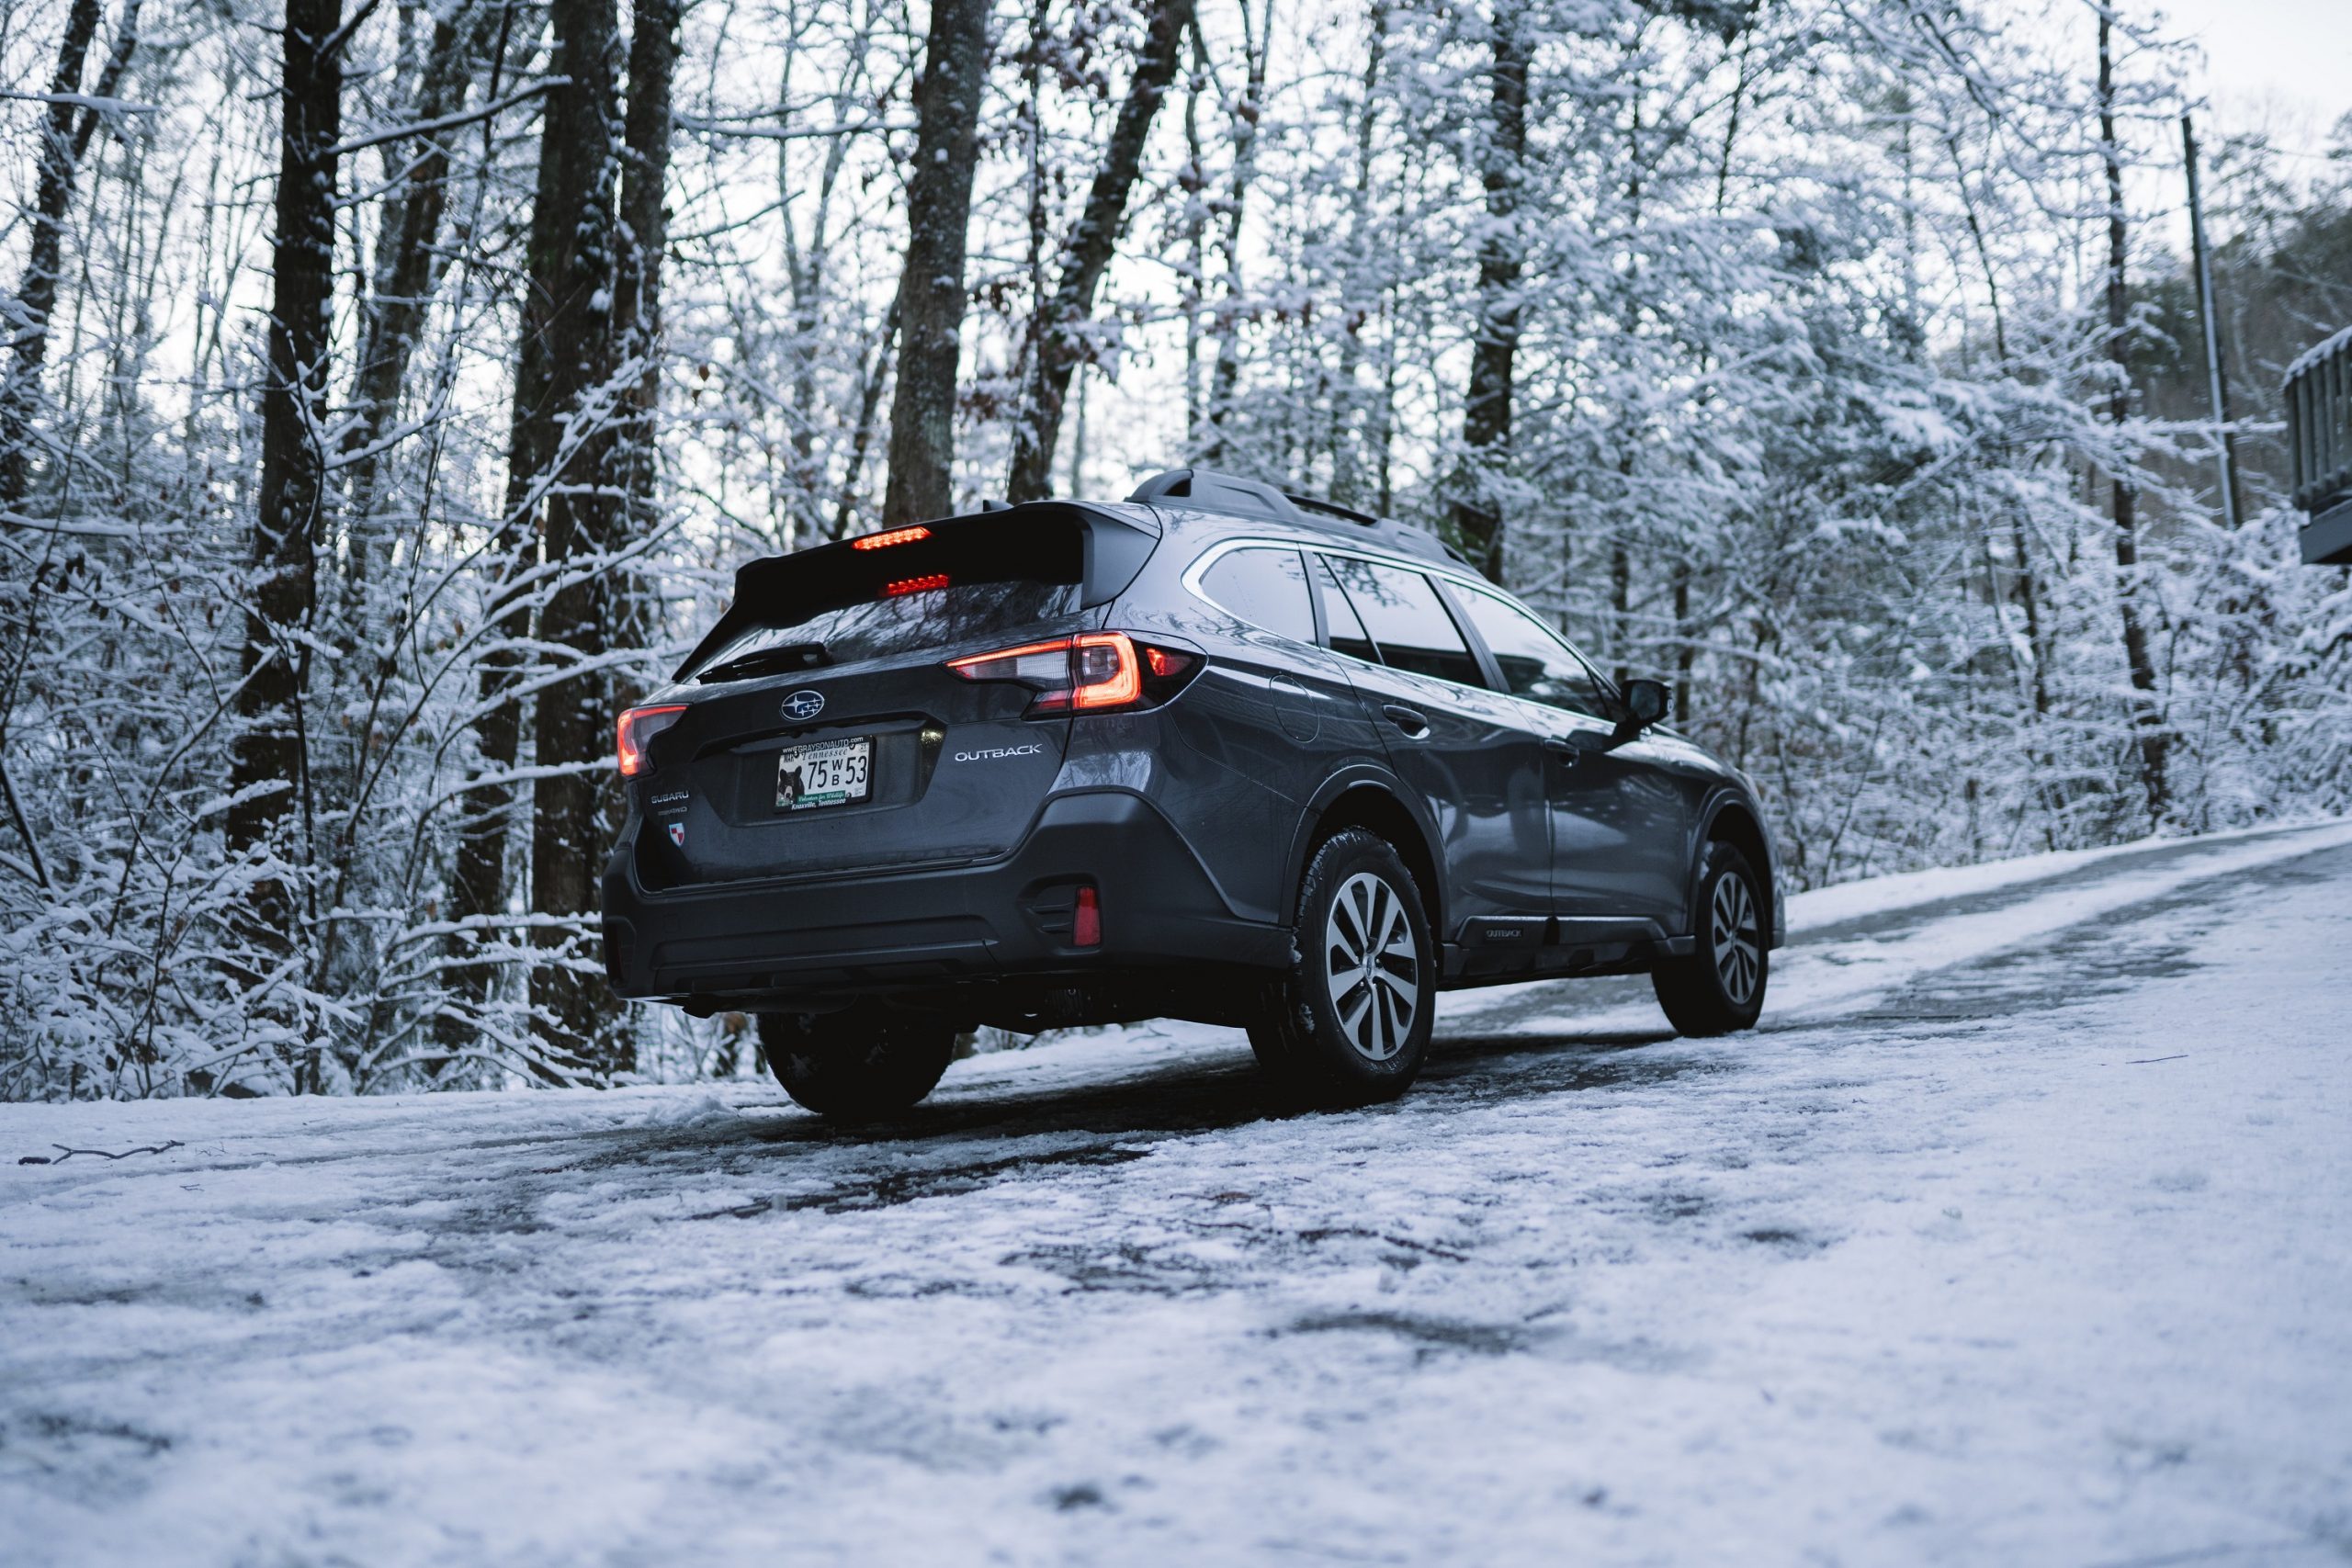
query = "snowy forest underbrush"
{"x": 389, "y": 395}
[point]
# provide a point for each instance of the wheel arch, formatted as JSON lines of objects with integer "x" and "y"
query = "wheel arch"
{"x": 1733, "y": 822}
{"x": 1368, "y": 802}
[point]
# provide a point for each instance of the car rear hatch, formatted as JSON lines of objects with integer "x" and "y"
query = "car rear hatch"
{"x": 821, "y": 727}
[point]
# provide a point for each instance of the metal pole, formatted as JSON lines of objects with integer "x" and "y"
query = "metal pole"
{"x": 2216, "y": 388}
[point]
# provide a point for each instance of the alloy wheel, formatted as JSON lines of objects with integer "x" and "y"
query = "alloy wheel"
{"x": 1371, "y": 966}
{"x": 1734, "y": 932}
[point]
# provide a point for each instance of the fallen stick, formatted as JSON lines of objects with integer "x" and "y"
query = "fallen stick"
{"x": 102, "y": 1153}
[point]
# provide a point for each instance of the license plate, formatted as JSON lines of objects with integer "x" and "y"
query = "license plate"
{"x": 828, "y": 772}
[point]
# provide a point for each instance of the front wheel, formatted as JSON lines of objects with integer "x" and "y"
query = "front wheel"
{"x": 857, "y": 1065}
{"x": 1350, "y": 1024}
{"x": 1720, "y": 988}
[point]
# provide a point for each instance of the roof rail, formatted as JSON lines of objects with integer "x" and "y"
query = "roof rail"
{"x": 1206, "y": 489}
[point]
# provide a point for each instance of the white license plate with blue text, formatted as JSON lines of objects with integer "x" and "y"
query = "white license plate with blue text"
{"x": 827, "y": 773}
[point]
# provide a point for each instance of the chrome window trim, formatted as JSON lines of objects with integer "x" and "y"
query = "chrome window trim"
{"x": 1463, "y": 580}
{"x": 1217, "y": 552}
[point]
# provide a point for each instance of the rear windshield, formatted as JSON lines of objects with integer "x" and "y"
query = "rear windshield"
{"x": 839, "y": 604}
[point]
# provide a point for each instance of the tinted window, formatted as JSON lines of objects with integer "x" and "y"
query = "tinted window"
{"x": 903, "y": 623}
{"x": 967, "y": 578}
{"x": 1535, "y": 662}
{"x": 1408, "y": 621}
{"x": 1344, "y": 627}
{"x": 1265, "y": 588}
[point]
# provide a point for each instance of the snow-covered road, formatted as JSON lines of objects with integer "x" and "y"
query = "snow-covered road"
{"x": 2022, "y": 1232}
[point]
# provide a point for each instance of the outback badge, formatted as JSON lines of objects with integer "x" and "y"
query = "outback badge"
{"x": 803, "y": 705}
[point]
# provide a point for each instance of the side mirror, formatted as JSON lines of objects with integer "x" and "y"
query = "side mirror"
{"x": 1645, "y": 704}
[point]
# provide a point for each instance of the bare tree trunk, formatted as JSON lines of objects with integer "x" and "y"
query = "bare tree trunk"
{"x": 2028, "y": 595}
{"x": 268, "y": 773}
{"x": 1487, "y": 412}
{"x": 1059, "y": 337}
{"x": 2147, "y": 718}
{"x": 55, "y": 167}
{"x": 572, "y": 717}
{"x": 407, "y": 263}
{"x": 931, "y": 288}
{"x": 637, "y": 294}
{"x": 1193, "y": 182}
{"x": 393, "y": 318}
{"x": 1349, "y": 439}
{"x": 1256, "y": 45}
{"x": 869, "y": 402}
{"x": 565, "y": 352}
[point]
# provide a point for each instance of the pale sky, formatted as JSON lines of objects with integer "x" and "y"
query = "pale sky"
{"x": 2295, "y": 55}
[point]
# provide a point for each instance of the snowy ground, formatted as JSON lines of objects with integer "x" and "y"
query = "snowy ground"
{"x": 2022, "y": 1232}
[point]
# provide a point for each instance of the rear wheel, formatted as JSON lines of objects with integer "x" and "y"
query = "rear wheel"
{"x": 857, "y": 1065}
{"x": 1720, "y": 988}
{"x": 1350, "y": 1024}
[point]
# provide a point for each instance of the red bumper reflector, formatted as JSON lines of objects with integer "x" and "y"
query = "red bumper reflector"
{"x": 1086, "y": 920}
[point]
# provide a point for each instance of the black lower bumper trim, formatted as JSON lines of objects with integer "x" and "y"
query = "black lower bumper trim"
{"x": 755, "y": 945}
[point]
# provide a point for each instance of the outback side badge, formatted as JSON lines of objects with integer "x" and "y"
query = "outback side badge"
{"x": 803, "y": 705}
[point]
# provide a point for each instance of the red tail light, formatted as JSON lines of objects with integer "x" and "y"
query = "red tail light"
{"x": 639, "y": 726}
{"x": 1086, "y": 919}
{"x": 1103, "y": 672}
{"x": 889, "y": 537}
{"x": 1087, "y": 673}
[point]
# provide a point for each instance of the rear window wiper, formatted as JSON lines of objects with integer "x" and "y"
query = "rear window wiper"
{"x": 767, "y": 661}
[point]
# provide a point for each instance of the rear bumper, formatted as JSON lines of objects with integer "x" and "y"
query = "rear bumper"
{"x": 771, "y": 943}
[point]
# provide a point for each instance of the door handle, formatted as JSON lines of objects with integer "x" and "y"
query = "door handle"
{"x": 1565, "y": 751}
{"x": 1414, "y": 723}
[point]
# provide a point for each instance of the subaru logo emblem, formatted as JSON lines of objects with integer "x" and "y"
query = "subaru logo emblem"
{"x": 803, "y": 705}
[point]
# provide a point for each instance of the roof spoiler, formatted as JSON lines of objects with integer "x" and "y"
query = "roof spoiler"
{"x": 1113, "y": 544}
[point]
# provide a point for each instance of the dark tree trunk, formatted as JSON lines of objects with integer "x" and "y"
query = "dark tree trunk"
{"x": 1351, "y": 438}
{"x": 1485, "y": 415}
{"x": 869, "y": 405}
{"x": 931, "y": 287}
{"x": 407, "y": 263}
{"x": 556, "y": 469}
{"x": 571, "y": 717}
{"x": 1192, "y": 181}
{"x": 1257, "y": 43}
{"x": 407, "y": 267}
{"x": 1686, "y": 648}
{"x": 2147, "y": 719}
{"x": 637, "y": 309}
{"x": 55, "y": 167}
{"x": 1059, "y": 340}
{"x": 268, "y": 773}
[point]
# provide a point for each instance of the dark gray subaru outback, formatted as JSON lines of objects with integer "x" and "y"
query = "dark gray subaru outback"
{"x": 1215, "y": 753}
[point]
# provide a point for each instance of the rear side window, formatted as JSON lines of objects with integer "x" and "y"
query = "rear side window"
{"x": 1348, "y": 635}
{"x": 1535, "y": 663}
{"x": 1408, "y": 621}
{"x": 1266, "y": 588}
{"x": 842, "y": 603}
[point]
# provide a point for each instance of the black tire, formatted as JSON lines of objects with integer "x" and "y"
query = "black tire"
{"x": 857, "y": 1065}
{"x": 1350, "y": 1024}
{"x": 1720, "y": 988}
